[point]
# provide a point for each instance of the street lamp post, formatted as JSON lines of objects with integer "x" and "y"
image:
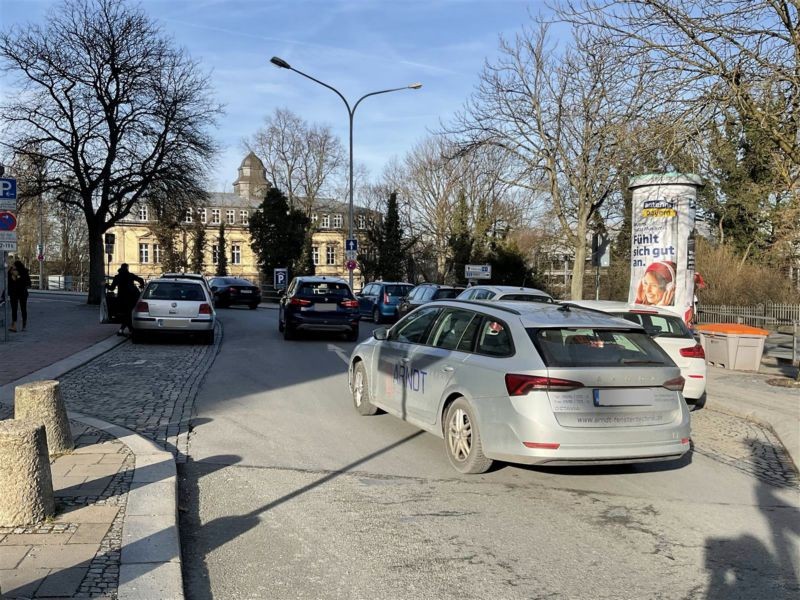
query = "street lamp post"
{"x": 279, "y": 62}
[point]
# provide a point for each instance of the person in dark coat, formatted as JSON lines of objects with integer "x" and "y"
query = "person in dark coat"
{"x": 19, "y": 280}
{"x": 127, "y": 295}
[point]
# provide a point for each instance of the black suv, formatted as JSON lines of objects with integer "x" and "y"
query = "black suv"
{"x": 424, "y": 293}
{"x": 318, "y": 304}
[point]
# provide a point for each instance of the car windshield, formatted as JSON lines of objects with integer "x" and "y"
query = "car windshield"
{"x": 526, "y": 298}
{"x": 442, "y": 294}
{"x": 324, "y": 288}
{"x": 173, "y": 290}
{"x": 397, "y": 290}
{"x": 589, "y": 347}
{"x": 660, "y": 325}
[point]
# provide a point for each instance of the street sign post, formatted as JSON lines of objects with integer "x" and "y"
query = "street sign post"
{"x": 8, "y": 193}
{"x": 351, "y": 245}
{"x": 478, "y": 271}
{"x": 8, "y": 241}
{"x": 280, "y": 278}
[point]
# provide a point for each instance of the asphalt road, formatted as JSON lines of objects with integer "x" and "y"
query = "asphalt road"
{"x": 290, "y": 494}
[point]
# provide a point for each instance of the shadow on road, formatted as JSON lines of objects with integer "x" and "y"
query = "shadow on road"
{"x": 199, "y": 540}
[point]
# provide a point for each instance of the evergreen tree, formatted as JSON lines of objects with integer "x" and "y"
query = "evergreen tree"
{"x": 460, "y": 241}
{"x": 509, "y": 267}
{"x": 277, "y": 232}
{"x": 198, "y": 247}
{"x": 305, "y": 264}
{"x": 222, "y": 252}
{"x": 392, "y": 251}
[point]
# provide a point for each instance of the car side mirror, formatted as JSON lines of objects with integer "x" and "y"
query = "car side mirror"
{"x": 380, "y": 334}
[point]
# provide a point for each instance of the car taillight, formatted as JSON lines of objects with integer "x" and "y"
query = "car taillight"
{"x": 205, "y": 309}
{"x": 695, "y": 351}
{"x": 676, "y": 385}
{"x": 299, "y": 302}
{"x": 519, "y": 385}
{"x": 385, "y": 298}
{"x": 142, "y": 307}
{"x": 350, "y": 303}
{"x": 232, "y": 289}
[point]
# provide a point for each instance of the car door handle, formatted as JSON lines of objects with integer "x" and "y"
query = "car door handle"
{"x": 447, "y": 369}
{"x": 405, "y": 360}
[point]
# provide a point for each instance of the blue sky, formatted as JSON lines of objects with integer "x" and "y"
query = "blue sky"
{"x": 357, "y": 46}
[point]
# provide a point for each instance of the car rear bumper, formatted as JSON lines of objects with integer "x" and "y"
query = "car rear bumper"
{"x": 536, "y": 438}
{"x": 234, "y": 300}
{"x": 174, "y": 325}
{"x": 323, "y": 321}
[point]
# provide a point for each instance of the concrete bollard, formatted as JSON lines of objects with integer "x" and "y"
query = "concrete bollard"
{"x": 40, "y": 401}
{"x": 26, "y": 486}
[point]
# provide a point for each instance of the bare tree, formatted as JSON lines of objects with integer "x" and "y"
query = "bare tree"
{"x": 113, "y": 107}
{"x": 305, "y": 160}
{"x": 562, "y": 117}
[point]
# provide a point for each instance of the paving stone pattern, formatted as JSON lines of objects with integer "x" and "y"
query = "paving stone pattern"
{"x": 87, "y": 531}
{"x": 744, "y": 445}
{"x": 149, "y": 388}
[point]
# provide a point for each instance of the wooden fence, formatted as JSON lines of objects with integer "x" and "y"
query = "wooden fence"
{"x": 770, "y": 316}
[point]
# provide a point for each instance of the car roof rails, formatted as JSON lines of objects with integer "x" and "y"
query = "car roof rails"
{"x": 507, "y": 309}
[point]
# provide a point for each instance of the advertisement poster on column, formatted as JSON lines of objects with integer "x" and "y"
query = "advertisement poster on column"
{"x": 662, "y": 241}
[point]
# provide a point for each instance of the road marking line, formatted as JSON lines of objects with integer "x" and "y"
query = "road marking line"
{"x": 339, "y": 352}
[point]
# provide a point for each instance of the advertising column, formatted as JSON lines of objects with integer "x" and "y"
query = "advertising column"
{"x": 662, "y": 241}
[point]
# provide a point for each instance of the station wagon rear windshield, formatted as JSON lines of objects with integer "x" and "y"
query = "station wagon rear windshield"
{"x": 396, "y": 290}
{"x": 661, "y": 325}
{"x": 324, "y": 288}
{"x": 588, "y": 347}
{"x": 526, "y": 298}
{"x": 173, "y": 290}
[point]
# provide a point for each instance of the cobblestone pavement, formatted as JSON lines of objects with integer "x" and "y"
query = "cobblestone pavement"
{"x": 149, "y": 388}
{"x": 77, "y": 554}
{"x": 744, "y": 445}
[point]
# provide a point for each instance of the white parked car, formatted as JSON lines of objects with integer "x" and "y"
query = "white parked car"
{"x": 671, "y": 333}
{"x": 507, "y": 293}
{"x": 174, "y": 306}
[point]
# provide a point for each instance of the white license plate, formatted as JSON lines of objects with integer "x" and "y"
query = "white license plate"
{"x": 623, "y": 397}
{"x": 172, "y": 323}
{"x": 325, "y": 307}
{"x": 247, "y": 291}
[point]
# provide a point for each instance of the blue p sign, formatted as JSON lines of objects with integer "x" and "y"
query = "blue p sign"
{"x": 8, "y": 188}
{"x": 279, "y": 278}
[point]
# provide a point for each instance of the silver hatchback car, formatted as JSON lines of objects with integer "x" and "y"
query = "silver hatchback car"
{"x": 524, "y": 382}
{"x": 174, "y": 306}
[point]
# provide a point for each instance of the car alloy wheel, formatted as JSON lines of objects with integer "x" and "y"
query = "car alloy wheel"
{"x": 361, "y": 399}
{"x": 463, "y": 441}
{"x": 459, "y": 435}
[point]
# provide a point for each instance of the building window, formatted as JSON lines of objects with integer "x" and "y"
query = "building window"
{"x": 157, "y": 254}
{"x": 144, "y": 253}
{"x": 337, "y": 221}
{"x": 143, "y": 213}
{"x": 188, "y": 218}
{"x": 315, "y": 254}
{"x": 314, "y": 218}
{"x": 236, "y": 254}
{"x": 326, "y": 222}
{"x": 230, "y": 217}
{"x": 215, "y": 216}
{"x": 214, "y": 254}
{"x": 244, "y": 217}
{"x": 330, "y": 255}
{"x": 203, "y": 215}
{"x": 362, "y": 222}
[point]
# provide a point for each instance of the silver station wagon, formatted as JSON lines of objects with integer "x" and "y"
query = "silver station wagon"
{"x": 524, "y": 382}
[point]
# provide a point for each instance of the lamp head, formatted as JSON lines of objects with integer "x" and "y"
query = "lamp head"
{"x": 415, "y": 86}
{"x": 279, "y": 62}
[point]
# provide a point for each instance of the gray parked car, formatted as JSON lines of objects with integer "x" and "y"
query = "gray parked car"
{"x": 174, "y": 307}
{"x": 525, "y": 382}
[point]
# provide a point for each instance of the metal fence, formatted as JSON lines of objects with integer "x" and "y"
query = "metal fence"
{"x": 768, "y": 315}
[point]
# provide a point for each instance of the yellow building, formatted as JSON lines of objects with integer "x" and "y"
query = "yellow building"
{"x": 136, "y": 244}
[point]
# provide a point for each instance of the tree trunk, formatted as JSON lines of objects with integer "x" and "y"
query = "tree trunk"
{"x": 578, "y": 268}
{"x": 96, "y": 265}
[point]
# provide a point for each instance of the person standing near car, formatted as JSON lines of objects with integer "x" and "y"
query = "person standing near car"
{"x": 127, "y": 295}
{"x": 19, "y": 280}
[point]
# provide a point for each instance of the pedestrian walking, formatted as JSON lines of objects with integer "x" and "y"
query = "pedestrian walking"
{"x": 19, "y": 280}
{"x": 127, "y": 295}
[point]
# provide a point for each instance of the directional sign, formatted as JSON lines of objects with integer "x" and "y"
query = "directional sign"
{"x": 478, "y": 271}
{"x": 351, "y": 265}
{"x": 280, "y": 277}
{"x": 351, "y": 245}
{"x": 8, "y": 221}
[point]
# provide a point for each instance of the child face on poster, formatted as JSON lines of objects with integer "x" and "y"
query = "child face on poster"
{"x": 657, "y": 287}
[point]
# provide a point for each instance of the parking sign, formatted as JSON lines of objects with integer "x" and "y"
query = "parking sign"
{"x": 280, "y": 277}
{"x": 8, "y": 193}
